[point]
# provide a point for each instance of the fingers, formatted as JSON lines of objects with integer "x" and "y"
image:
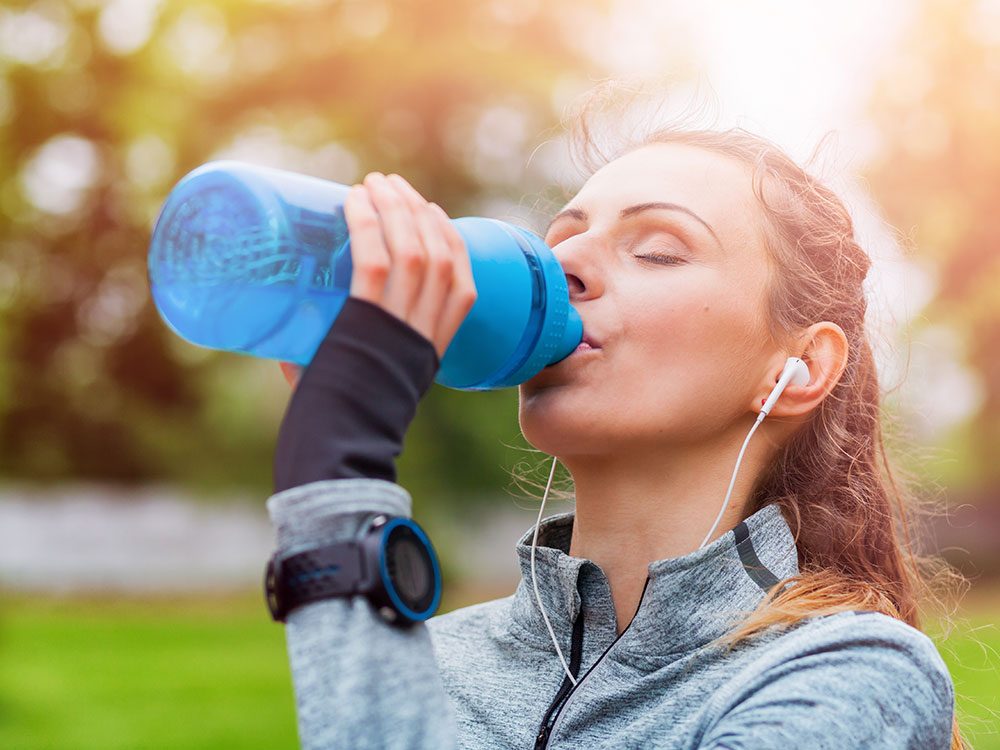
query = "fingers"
{"x": 439, "y": 270}
{"x": 463, "y": 286}
{"x": 407, "y": 255}
{"x": 369, "y": 257}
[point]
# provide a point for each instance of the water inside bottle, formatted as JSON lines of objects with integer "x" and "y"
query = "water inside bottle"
{"x": 230, "y": 275}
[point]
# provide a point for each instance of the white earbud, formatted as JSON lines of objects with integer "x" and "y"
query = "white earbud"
{"x": 795, "y": 372}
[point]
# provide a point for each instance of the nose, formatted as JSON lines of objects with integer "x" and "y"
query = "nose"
{"x": 583, "y": 277}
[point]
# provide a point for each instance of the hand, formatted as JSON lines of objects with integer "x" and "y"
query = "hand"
{"x": 408, "y": 258}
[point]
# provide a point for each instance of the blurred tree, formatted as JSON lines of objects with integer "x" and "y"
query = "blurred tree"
{"x": 104, "y": 105}
{"x": 937, "y": 174}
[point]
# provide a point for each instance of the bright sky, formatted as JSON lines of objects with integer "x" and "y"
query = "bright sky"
{"x": 792, "y": 72}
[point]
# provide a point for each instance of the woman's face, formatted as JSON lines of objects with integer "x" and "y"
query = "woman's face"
{"x": 683, "y": 337}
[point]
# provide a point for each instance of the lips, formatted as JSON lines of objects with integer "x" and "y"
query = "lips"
{"x": 590, "y": 341}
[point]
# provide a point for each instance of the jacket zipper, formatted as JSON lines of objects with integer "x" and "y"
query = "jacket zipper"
{"x": 576, "y": 654}
{"x": 560, "y": 702}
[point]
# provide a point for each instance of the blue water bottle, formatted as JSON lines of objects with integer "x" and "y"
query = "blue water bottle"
{"x": 257, "y": 260}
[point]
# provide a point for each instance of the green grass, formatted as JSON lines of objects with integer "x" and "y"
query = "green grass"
{"x": 972, "y": 653}
{"x": 192, "y": 673}
{"x": 139, "y": 674}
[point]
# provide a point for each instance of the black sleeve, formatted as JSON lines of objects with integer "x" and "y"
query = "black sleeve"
{"x": 355, "y": 400}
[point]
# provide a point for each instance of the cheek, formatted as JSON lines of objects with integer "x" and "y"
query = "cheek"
{"x": 689, "y": 327}
{"x": 695, "y": 350}
{"x": 682, "y": 358}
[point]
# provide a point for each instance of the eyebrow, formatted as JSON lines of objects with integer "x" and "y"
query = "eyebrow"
{"x": 576, "y": 213}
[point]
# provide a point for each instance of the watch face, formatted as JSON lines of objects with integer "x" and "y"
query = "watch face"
{"x": 410, "y": 568}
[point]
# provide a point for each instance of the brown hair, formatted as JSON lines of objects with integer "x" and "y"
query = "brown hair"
{"x": 855, "y": 524}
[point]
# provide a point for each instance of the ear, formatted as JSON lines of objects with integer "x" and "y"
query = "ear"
{"x": 825, "y": 351}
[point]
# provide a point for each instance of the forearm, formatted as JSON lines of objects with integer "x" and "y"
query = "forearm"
{"x": 355, "y": 401}
{"x": 359, "y": 682}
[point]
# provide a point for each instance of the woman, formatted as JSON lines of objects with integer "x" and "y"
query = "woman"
{"x": 699, "y": 262}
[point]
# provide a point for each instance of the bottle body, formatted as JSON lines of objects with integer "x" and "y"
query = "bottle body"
{"x": 257, "y": 260}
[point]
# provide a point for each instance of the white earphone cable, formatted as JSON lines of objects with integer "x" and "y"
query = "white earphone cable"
{"x": 534, "y": 582}
{"x": 795, "y": 371}
{"x": 534, "y": 541}
{"x": 732, "y": 480}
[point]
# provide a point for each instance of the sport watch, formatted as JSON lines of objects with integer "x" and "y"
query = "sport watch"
{"x": 391, "y": 561}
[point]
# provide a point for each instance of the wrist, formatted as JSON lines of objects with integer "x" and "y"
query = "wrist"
{"x": 376, "y": 341}
{"x": 390, "y": 560}
{"x": 355, "y": 401}
{"x": 332, "y": 510}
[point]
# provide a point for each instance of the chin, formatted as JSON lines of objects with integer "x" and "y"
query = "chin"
{"x": 562, "y": 426}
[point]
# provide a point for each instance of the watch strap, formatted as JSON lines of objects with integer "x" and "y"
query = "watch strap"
{"x": 314, "y": 574}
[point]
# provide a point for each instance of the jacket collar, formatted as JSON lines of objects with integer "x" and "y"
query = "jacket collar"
{"x": 689, "y": 600}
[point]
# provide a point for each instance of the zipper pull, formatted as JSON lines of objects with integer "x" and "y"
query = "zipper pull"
{"x": 544, "y": 733}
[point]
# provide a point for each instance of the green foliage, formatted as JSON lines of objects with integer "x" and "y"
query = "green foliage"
{"x": 96, "y": 129}
{"x": 102, "y": 111}
{"x": 936, "y": 173}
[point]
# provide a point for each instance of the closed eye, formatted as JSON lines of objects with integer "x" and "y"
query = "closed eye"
{"x": 670, "y": 260}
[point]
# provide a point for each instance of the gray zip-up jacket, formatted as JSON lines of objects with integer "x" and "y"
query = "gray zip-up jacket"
{"x": 487, "y": 676}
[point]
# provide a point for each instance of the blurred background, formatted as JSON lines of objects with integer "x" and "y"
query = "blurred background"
{"x": 134, "y": 466}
